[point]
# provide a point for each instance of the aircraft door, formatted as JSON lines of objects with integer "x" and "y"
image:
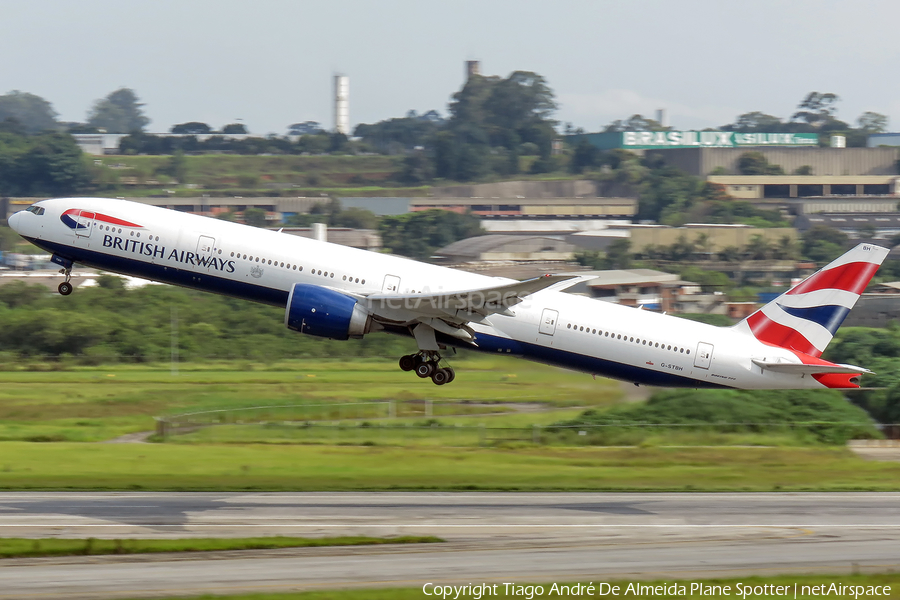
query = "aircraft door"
{"x": 205, "y": 247}
{"x": 391, "y": 285}
{"x": 704, "y": 355}
{"x": 84, "y": 223}
{"x": 548, "y": 321}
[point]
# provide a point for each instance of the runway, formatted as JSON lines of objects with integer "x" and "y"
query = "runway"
{"x": 491, "y": 537}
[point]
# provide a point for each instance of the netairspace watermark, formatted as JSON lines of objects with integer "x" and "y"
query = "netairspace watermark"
{"x": 477, "y": 591}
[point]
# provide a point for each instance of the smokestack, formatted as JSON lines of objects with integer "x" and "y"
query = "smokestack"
{"x": 661, "y": 117}
{"x": 342, "y": 104}
{"x": 473, "y": 67}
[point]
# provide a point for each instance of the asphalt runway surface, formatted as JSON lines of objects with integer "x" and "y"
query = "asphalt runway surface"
{"x": 491, "y": 537}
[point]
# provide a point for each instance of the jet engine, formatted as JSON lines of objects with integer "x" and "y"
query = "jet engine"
{"x": 319, "y": 311}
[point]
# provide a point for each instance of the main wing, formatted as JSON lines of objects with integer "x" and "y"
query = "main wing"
{"x": 465, "y": 305}
{"x": 451, "y": 312}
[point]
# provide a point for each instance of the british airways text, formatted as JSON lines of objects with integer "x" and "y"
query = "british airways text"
{"x": 155, "y": 250}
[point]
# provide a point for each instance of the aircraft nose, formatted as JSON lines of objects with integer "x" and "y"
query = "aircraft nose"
{"x": 13, "y": 221}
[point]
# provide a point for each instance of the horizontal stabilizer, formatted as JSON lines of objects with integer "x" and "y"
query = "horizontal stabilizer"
{"x": 799, "y": 369}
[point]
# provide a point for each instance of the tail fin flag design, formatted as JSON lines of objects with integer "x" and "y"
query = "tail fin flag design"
{"x": 806, "y": 317}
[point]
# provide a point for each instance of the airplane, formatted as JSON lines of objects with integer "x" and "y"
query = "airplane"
{"x": 337, "y": 292}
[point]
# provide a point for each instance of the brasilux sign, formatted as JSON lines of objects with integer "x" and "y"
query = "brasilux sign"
{"x": 647, "y": 140}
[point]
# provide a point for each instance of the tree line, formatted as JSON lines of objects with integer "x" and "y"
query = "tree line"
{"x": 108, "y": 323}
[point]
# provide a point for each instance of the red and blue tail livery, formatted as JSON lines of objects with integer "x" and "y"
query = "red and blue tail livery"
{"x": 805, "y": 318}
{"x": 78, "y": 219}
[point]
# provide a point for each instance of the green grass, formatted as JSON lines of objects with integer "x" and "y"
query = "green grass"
{"x": 99, "y": 403}
{"x": 459, "y": 430}
{"x": 416, "y": 593}
{"x": 259, "y": 175}
{"x": 29, "y": 547}
{"x": 517, "y": 466}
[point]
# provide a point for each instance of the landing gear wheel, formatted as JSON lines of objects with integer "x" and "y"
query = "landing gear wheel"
{"x": 65, "y": 288}
{"x": 451, "y": 374}
{"x": 440, "y": 376}
{"x": 424, "y": 369}
{"x": 407, "y": 362}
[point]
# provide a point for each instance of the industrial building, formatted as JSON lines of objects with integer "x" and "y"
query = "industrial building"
{"x": 543, "y": 208}
{"x": 703, "y": 162}
{"x": 753, "y": 187}
{"x": 506, "y": 248}
{"x": 857, "y": 226}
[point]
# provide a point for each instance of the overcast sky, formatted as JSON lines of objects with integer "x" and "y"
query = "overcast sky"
{"x": 270, "y": 62}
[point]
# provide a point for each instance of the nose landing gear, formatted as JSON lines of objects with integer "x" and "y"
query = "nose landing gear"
{"x": 426, "y": 363}
{"x": 65, "y": 288}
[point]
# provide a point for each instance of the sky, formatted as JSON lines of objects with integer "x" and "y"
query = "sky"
{"x": 270, "y": 63}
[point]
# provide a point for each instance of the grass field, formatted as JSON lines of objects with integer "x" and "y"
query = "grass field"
{"x": 477, "y": 430}
{"x": 32, "y": 547}
{"x": 804, "y": 583}
{"x": 293, "y": 175}
{"x": 519, "y": 467}
{"x": 94, "y": 404}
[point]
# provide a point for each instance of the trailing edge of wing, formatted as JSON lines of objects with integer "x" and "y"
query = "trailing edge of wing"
{"x": 484, "y": 300}
{"x": 808, "y": 369}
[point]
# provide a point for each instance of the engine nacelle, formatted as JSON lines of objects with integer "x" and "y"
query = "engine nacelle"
{"x": 319, "y": 311}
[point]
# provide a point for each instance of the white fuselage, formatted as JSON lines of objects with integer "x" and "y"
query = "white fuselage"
{"x": 549, "y": 326}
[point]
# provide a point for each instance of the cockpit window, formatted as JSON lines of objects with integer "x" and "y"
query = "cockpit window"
{"x": 38, "y": 210}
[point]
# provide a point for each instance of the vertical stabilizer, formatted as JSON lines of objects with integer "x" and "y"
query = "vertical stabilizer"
{"x": 806, "y": 317}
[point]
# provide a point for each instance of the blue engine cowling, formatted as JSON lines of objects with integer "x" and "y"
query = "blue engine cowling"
{"x": 319, "y": 311}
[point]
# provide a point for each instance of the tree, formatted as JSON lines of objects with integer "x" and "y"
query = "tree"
{"x": 33, "y": 112}
{"x": 419, "y": 234}
{"x": 176, "y": 167}
{"x": 755, "y": 121}
{"x": 255, "y": 217}
{"x": 445, "y": 152}
{"x": 635, "y": 123}
{"x": 872, "y": 122}
{"x": 235, "y": 129}
{"x": 305, "y": 128}
{"x": 394, "y": 136}
{"x": 47, "y": 164}
{"x": 416, "y": 169}
{"x": 618, "y": 254}
{"x": 755, "y": 163}
{"x": 823, "y": 244}
{"x": 730, "y": 254}
{"x": 356, "y": 218}
{"x": 337, "y": 142}
{"x": 785, "y": 249}
{"x": 585, "y": 156}
{"x": 119, "y": 112}
{"x": 758, "y": 248}
{"x": 817, "y": 108}
{"x": 490, "y": 113}
{"x": 191, "y": 128}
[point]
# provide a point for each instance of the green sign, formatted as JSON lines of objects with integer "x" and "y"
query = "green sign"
{"x": 713, "y": 139}
{"x": 648, "y": 140}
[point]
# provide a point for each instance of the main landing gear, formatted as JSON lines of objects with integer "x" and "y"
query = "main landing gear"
{"x": 426, "y": 363}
